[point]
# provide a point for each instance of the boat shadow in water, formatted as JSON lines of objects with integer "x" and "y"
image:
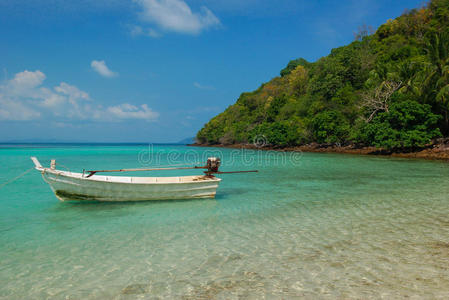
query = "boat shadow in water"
{"x": 124, "y": 208}
{"x": 82, "y": 200}
{"x": 67, "y": 215}
{"x": 226, "y": 194}
{"x": 89, "y": 204}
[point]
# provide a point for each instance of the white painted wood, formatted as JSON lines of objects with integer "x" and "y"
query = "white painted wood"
{"x": 37, "y": 164}
{"x": 75, "y": 186}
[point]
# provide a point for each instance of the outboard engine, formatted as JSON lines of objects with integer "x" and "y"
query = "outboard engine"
{"x": 213, "y": 163}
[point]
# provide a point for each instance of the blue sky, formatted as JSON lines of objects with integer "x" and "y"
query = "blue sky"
{"x": 155, "y": 70}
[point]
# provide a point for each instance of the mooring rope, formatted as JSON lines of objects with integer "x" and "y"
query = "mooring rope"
{"x": 15, "y": 178}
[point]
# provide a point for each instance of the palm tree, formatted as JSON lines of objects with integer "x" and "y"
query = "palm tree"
{"x": 437, "y": 73}
{"x": 409, "y": 74}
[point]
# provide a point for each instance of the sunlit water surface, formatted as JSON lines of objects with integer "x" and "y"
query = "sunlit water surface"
{"x": 307, "y": 226}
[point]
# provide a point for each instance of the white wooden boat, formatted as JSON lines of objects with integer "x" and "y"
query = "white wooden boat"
{"x": 80, "y": 186}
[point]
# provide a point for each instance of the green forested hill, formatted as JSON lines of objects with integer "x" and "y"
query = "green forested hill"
{"x": 389, "y": 89}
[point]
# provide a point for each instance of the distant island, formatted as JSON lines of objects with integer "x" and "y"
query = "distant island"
{"x": 187, "y": 141}
{"x": 386, "y": 91}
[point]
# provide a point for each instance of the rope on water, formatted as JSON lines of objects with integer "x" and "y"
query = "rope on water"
{"x": 15, "y": 178}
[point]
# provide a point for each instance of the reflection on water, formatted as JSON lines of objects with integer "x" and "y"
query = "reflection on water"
{"x": 335, "y": 226}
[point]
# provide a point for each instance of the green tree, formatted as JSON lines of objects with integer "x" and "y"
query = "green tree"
{"x": 437, "y": 73}
{"x": 389, "y": 90}
{"x": 297, "y": 80}
{"x": 407, "y": 125}
{"x": 330, "y": 127}
{"x": 292, "y": 65}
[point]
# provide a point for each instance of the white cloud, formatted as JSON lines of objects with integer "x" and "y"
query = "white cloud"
{"x": 138, "y": 30}
{"x": 24, "y": 98}
{"x": 176, "y": 15}
{"x": 129, "y": 111}
{"x": 101, "y": 68}
{"x": 72, "y": 91}
{"x": 50, "y": 99}
{"x": 135, "y": 30}
{"x": 153, "y": 33}
{"x": 203, "y": 87}
{"x": 27, "y": 80}
{"x": 16, "y": 92}
{"x": 24, "y": 84}
{"x": 12, "y": 110}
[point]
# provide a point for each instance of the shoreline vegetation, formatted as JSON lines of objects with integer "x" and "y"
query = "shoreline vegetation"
{"x": 386, "y": 93}
{"x": 439, "y": 150}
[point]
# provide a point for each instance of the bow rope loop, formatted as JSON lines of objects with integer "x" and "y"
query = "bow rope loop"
{"x": 15, "y": 178}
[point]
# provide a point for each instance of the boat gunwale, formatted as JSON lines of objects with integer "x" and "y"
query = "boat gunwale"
{"x": 66, "y": 174}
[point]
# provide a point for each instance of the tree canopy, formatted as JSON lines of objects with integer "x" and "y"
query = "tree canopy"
{"x": 389, "y": 89}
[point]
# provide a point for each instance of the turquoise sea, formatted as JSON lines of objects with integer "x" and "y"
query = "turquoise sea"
{"x": 310, "y": 226}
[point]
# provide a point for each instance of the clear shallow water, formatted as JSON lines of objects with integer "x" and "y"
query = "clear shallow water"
{"x": 310, "y": 226}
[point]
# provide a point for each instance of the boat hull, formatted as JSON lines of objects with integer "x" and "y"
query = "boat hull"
{"x": 75, "y": 187}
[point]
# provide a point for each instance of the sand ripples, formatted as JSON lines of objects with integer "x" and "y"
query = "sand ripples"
{"x": 336, "y": 227}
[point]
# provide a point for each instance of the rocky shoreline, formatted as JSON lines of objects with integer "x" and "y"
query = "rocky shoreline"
{"x": 437, "y": 151}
